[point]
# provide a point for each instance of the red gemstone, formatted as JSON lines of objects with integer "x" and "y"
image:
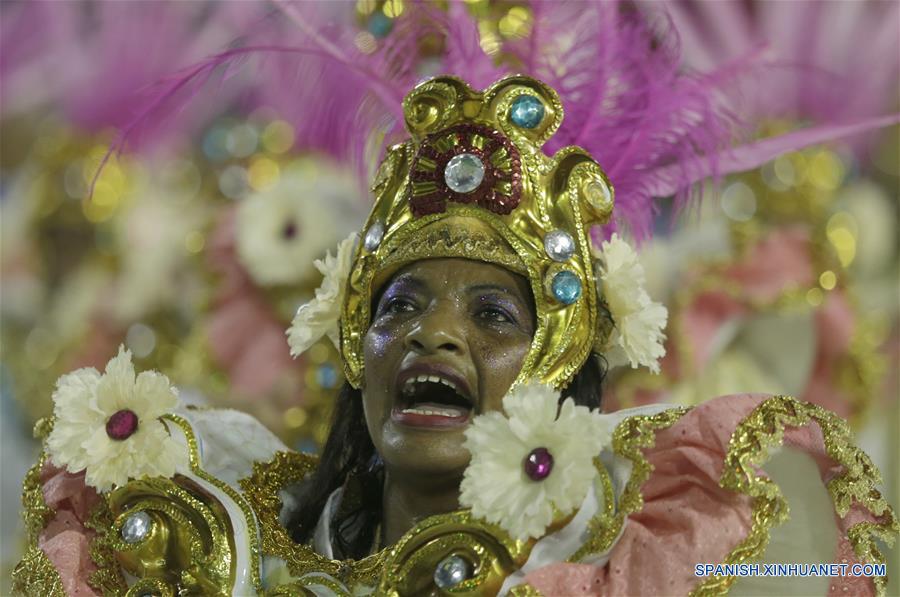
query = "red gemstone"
{"x": 122, "y": 424}
{"x": 538, "y": 464}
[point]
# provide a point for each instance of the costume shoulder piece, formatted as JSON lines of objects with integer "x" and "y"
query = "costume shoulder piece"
{"x": 197, "y": 504}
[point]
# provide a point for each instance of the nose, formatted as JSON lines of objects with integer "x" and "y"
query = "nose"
{"x": 436, "y": 330}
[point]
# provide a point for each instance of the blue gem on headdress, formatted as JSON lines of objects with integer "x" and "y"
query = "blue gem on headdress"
{"x": 464, "y": 172}
{"x": 566, "y": 287}
{"x": 526, "y": 111}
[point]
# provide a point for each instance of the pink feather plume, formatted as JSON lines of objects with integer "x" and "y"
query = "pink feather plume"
{"x": 655, "y": 127}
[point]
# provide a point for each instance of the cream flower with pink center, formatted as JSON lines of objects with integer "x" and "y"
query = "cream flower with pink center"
{"x": 532, "y": 465}
{"x": 109, "y": 425}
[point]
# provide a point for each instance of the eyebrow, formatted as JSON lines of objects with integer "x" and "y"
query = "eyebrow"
{"x": 495, "y": 287}
{"x": 406, "y": 280}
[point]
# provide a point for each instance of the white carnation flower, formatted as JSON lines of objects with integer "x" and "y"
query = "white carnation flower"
{"x": 319, "y": 317}
{"x": 281, "y": 229}
{"x": 638, "y": 337}
{"x": 530, "y": 464}
{"x": 109, "y": 425}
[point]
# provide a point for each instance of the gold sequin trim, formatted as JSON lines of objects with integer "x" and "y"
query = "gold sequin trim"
{"x": 261, "y": 490}
{"x": 36, "y": 575}
{"x": 751, "y": 443}
{"x": 630, "y": 438}
{"x": 35, "y": 511}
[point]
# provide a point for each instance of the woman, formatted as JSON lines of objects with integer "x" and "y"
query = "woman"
{"x": 468, "y": 454}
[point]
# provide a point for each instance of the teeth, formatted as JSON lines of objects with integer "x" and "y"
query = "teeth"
{"x": 437, "y": 412}
{"x": 408, "y": 386}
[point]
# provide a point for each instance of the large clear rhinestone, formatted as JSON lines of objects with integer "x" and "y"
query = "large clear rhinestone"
{"x": 559, "y": 245}
{"x": 373, "y": 236}
{"x": 136, "y": 527}
{"x": 526, "y": 111}
{"x": 451, "y": 571}
{"x": 464, "y": 172}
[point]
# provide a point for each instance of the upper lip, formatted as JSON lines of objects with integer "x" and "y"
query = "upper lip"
{"x": 440, "y": 370}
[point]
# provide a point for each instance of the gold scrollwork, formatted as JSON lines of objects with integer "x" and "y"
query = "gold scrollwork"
{"x": 189, "y": 546}
{"x": 492, "y": 555}
{"x": 262, "y": 491}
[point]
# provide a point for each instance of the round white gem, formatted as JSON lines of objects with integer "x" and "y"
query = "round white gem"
{"x": 464, "y": 172}
{"x": 451, "y": 571}
{"x": 373, "y": 236}
{"x": 559, "y": 245}
{"x": 136, "y": 527}
{"x": 598, "y": 195}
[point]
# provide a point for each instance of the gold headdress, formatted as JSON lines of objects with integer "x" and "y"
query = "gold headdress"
{"x": 473, "y": 182}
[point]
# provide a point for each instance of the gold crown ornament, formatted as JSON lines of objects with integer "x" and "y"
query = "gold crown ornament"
{"x": 473, "y": 182}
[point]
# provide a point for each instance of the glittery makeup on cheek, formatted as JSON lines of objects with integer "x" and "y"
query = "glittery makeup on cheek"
{"x": 380, "y": 338}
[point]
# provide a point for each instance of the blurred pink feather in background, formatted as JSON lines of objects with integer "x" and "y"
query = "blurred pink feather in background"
{"x": 100, "y": 64}
{"x": 824, "y": 61}
{"x": 655, "y": 127}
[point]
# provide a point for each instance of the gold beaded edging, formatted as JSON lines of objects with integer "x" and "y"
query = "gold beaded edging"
{"x": 261, "y": 490}
{"x": 630, "y": 438}
{"x": 751, "y": 443}
{"x": 236, "y": 497}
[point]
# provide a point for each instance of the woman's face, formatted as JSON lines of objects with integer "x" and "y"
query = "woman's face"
{"x": 447, "y": 339}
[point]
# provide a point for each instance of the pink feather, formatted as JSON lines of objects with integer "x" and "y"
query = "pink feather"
{"x": 828, "y": 62}
{"x": 655, "y": 127}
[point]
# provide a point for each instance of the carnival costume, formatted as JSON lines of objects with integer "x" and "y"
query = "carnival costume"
{"x": 136, "y": 493}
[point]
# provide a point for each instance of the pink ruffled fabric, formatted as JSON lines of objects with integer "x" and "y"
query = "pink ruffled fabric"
{"x": 65, "y": 539}
{"x": 687, "y": 518}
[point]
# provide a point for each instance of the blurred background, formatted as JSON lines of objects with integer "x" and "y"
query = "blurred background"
{"x": 241, "y": 157}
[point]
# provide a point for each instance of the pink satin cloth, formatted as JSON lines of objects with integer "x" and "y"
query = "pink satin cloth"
{"x": 245, "y": 337}
{"x": 687, "y": 518}
{"x": 66, "y": 539}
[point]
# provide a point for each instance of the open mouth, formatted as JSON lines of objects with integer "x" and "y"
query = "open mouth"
{"x": 432, "y": 401}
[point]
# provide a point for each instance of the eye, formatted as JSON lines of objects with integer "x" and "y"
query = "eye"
{"x": 495, "y": 314}
{"x": 398, "y": 304}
